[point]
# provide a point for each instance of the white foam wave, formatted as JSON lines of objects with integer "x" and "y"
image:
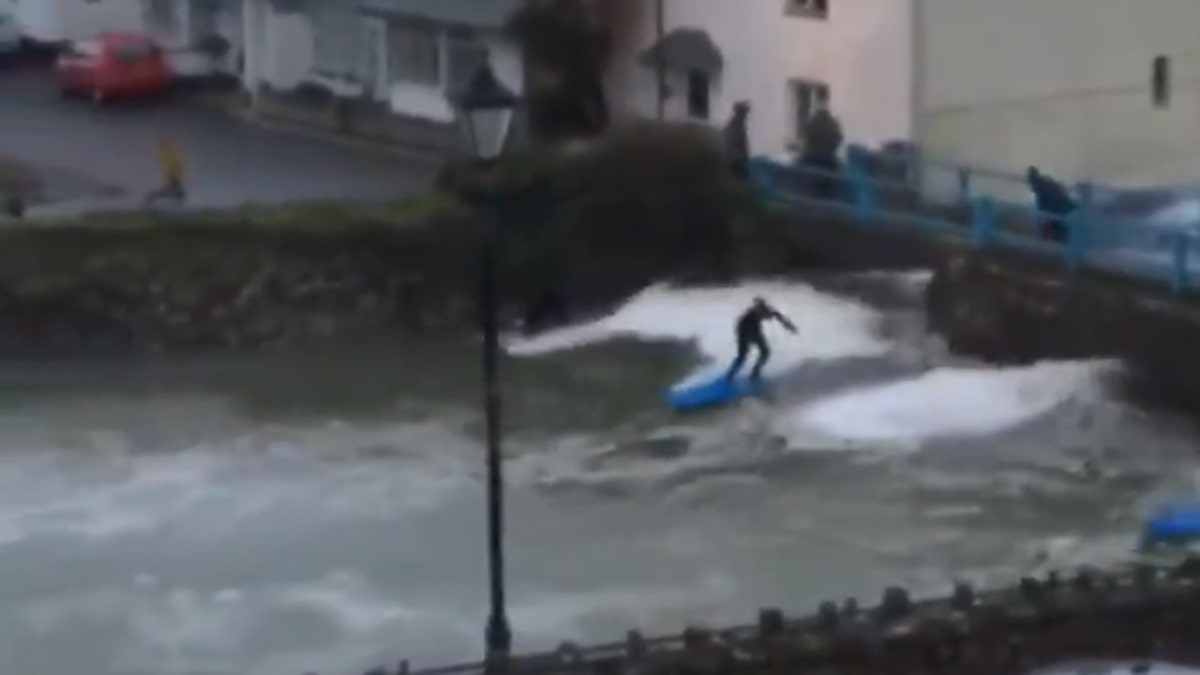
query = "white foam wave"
{"x": 168, "y": 629}
{"x": 829, "y": 327}
{"x": 68, "y": 494}
{"x": 1118, "y": 668}
{"x": 1184, "y": 211}
{"x": 912, "y": 282}
{"x": 948, "y": 402}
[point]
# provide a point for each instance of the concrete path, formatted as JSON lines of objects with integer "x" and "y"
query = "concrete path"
{"x": 105, "y": 155}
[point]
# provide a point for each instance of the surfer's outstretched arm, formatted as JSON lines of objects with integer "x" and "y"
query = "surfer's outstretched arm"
{"x": 787, "y": 323}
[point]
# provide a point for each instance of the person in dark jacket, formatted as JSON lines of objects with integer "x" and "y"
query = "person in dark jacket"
{"x": 749, "y": 332}
{"x": 737, "y": 139}
{"x": 1053, "y": 204}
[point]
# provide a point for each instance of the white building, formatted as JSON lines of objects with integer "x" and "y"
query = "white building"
{"x": 785, "y": 57}
{"x": 54, "y": 21}
{"x": 1083, "y": 88}
{"x": 404, "y": 54}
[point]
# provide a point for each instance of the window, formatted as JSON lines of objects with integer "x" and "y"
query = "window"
{"x": 807, "y": 98}
{"x": 413, "y": 54}
{"x": 337, "y": 38}
{"x": 813, "y": 9}
{"x": 698, "y": 91}
{"x": 1160, "y": 82}
{"x": 464, "y": 53}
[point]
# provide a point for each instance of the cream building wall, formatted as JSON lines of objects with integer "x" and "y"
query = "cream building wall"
{"x": 862, "y": 51}
{"x": 1061, "y": 84}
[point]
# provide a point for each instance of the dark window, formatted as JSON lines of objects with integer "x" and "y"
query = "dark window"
{"x": 812, "y": 9}
{"x": 1160, "y": 82}
{"x": 698, "y": 94}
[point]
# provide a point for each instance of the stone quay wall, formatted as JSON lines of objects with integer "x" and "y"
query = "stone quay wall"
{"x": 1144, "y": 615}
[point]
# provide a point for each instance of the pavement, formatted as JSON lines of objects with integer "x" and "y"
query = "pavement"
{"x": 92, "y": 156}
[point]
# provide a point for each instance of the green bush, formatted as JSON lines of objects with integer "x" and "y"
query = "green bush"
{"x": 645, "y": 200}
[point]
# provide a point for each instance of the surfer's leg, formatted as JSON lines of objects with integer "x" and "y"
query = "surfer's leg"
{"x": 764, "y": 353}
{"x": 743, "y": 350}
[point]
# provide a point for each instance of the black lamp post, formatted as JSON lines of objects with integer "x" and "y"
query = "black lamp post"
{"x": 486, "y": 110}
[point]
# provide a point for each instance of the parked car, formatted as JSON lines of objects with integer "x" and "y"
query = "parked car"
{"x": 10, "y": 34}
{"x": 114, "y": 65}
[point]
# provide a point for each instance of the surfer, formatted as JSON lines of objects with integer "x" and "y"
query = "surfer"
{"x": 750, "y": 334}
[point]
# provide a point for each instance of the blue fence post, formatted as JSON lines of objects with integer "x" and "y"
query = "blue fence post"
{"x": 760, "y": 180}
{"x": 1079, "y": 227}
{"x": 964, "y": 185}
{"x": 864, "y": 192}
{"x": 1180, "y": 277}
{"x": 983, "y": 220}
{"x": 848, "y": 182}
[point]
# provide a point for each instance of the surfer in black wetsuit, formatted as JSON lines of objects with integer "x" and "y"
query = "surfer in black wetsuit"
{"x": 750, "y": 334}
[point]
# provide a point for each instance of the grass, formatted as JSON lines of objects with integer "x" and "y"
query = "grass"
{"x": 413, "y": 210}
{"x": 17, "y": 178}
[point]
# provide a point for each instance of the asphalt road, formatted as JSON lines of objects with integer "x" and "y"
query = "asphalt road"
{"x": 105, "y": 155}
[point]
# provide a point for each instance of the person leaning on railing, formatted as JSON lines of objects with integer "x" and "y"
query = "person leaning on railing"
{"x": 1053, "y": 204}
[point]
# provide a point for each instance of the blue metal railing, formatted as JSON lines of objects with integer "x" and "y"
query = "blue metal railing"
{"x": 987, "y": 209}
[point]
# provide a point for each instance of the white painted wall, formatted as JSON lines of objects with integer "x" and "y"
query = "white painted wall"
{"x": 287, "y": 49}
{"x": 59, "y": 20}
{"x": 182, "y": 55}
{"x": 863, "y": 51}
{"x": 1063, "y": 84}
{"x": 279, "y": 52}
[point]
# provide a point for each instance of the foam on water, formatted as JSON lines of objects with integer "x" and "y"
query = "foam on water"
{"x": 829, "y": 327}
{"x": 1184, "y": 211}
{"x": 69, "y": 494}
{"x": 1118, "y": 668}
{"x": 948, "y": 402}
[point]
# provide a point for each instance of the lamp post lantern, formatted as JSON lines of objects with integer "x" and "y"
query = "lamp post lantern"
{"x": 485, "y": 109}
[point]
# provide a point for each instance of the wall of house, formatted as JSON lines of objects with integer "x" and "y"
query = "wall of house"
{"x": 39, "y": 19}
{"x": 862, "y": 51}
{"x": 60, "y": 20}
{"x": 181, "y": 35}
{"x": 287, "y": 49}
{"x": 1062, "y": 84}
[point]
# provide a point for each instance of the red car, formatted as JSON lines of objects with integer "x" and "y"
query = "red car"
{"x": 114, "y": 65}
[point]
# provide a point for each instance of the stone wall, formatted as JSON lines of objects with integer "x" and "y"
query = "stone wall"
{"x": 1143, "y": 615}
{"x": 174, "y": 285}
{"x": 1006, "y": 308}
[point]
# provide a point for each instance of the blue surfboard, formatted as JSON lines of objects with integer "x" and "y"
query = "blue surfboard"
{"x": 715, "y": 392}
{"x": 1177, "y": 525}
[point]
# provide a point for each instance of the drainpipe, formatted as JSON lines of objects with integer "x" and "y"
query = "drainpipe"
{"x": 917, "y": 93}
{"x": 660, "y": 69}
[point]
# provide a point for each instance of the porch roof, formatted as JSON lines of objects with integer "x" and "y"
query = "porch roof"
{"x": 474, "y": 13}
{"x": 686, "y": 49}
